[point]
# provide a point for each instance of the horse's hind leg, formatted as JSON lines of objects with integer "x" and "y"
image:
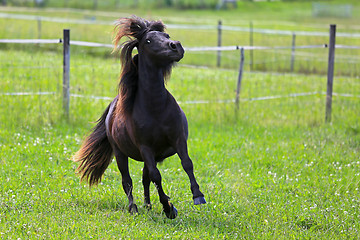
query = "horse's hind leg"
{"x": 189, "y": 169}
{"x": 155, "y": 177}
{"x": 123, "y": 165}
{"x": 146, "y": 183}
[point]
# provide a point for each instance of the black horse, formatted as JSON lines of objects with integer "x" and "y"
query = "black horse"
{"x": 144, "y": 122}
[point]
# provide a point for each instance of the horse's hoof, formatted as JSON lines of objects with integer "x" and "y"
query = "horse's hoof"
{"x": 133, "y": 209}
{"x": 173, "y": 212}
{"x": 199, "y": 200}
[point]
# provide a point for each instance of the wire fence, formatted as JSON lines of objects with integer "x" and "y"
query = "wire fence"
{"x": 96, "y": 82}
{"x": 276, "y": 59}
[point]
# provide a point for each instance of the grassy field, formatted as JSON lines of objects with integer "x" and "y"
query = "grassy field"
{"x": 272, "y": 170}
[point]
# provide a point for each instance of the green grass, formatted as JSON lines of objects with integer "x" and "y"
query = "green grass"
{"x": 274, "y": 170}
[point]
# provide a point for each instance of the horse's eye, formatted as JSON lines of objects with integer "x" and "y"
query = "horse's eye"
{"x": 167, "y": 36}
{"x": 148, "y": 41}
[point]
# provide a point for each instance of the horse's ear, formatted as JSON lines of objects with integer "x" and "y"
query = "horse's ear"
{"x": 157, "y": 26}
{"x": 134, "y": 27}
{"x": 138, "y": 27}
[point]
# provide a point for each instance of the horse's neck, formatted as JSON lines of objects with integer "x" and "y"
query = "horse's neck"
{"x": 151, "y": 88}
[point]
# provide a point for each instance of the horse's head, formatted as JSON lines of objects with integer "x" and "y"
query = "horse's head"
{"x": 150, "y": 39}
{"x": 158, "y": 46}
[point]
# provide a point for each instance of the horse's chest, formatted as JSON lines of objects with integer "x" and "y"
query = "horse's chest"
{"x": 160, "y": 138}
{"x": 157, "y": 127}
{"x": 154, "y": 134}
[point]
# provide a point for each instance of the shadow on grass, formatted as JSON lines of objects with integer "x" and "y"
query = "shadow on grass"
{"x": 102, "y": 204}
{"x": 206, "y": 217}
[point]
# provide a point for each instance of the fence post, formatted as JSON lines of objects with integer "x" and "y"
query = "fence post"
{"x": 292, "y": 52}
{"x": 238, "y": 87}
{"x": 218, "y": 63}
{"x": 330, "y": 73}
{"x": 39, "y": 27}
{"x": 66, "y": 72}
{"x": 251, "y": 36}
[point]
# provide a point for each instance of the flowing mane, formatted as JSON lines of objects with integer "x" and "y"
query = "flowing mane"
{"x": 134, "y": 29}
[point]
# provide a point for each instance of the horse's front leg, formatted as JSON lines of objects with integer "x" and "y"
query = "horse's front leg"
{"x": 146, "y": 183}
{"x": 123, "y": 165}
{"x": 155, "y": 177}
{"x": 189, "y": 169}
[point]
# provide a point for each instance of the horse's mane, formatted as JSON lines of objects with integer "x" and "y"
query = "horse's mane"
{"x": 134, "y": 29}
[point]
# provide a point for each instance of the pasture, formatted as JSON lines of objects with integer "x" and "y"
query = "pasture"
{"x": 271, "y": 170}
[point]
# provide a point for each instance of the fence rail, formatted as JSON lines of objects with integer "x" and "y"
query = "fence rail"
{"x": 270, "y": 97}
{"x": 66, "y": 64}
{"x": 190, "y": 49}
{"x": 29, "y": 41}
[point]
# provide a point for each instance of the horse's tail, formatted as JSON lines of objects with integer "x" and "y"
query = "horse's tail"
{"x": 95, "y": 154}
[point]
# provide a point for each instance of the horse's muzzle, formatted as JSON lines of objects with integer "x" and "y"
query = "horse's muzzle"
{"x": 177, "y": 48}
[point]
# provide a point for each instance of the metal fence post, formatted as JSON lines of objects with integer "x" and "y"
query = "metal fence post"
{"x": 251, "y": 40}
{"x": 238, "y": 87}
{"x": 218, "y": 63}
{"x": 39, "y": 27}
{"x": 292, "y": 52}
{"x": 330, "y": 73}
{"x": 66, "y": 72}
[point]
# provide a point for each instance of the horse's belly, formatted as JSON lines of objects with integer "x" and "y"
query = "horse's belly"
{"x": 164, "y": 154}
{"x": 127, "y": 147}
{"x": 130, "y": 150}
{"x": 156, "y": 139}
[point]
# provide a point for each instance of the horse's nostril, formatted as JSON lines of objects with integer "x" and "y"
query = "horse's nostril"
{"x": 172, "y": 46}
